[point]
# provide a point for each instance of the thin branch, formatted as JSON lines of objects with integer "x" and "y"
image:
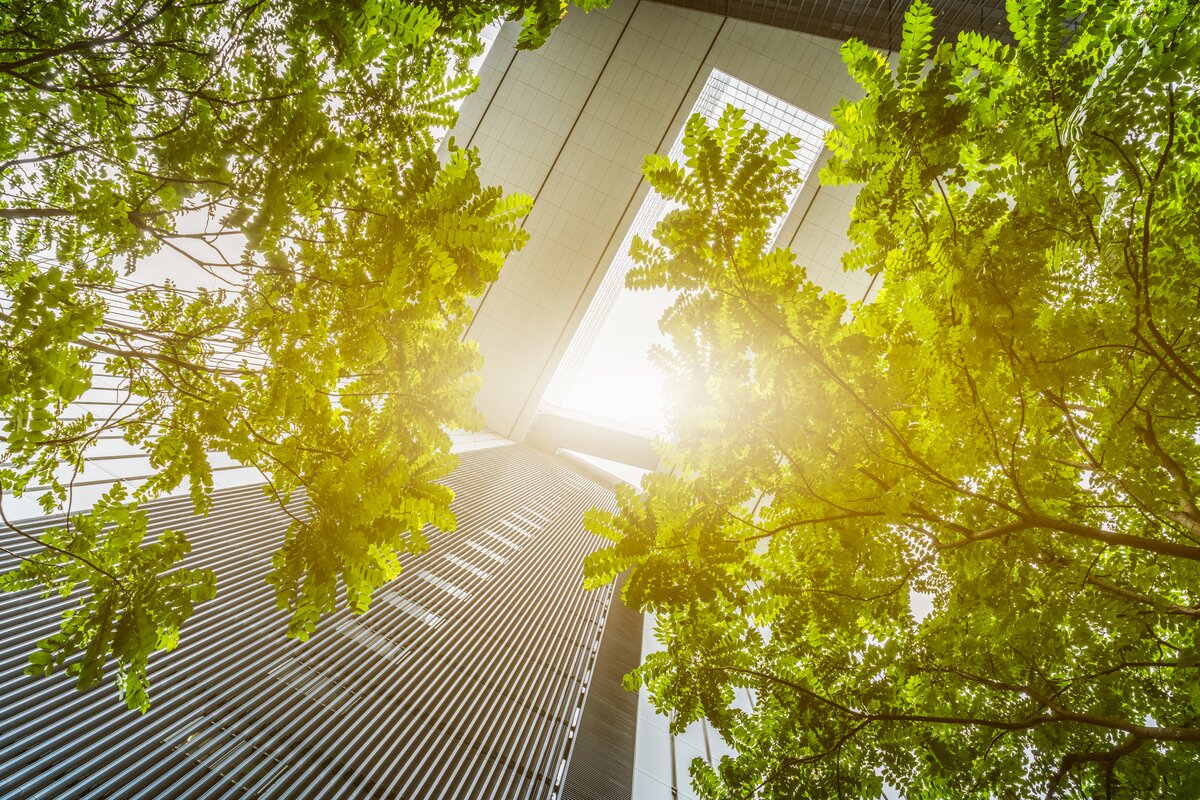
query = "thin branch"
{"x": 53, "y": 548}
{"x": 1145, "y": 599}
{"x": 1072, "y": 760}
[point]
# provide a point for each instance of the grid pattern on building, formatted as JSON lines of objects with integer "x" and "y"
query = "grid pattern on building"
{"x": 465, "y": 678}
{"x": 109, "y": 399}
{"x": 876, "y": 22}
{"x": 720, "y": 90}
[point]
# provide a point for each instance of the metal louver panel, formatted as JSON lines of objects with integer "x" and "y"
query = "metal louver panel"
{"x": 602, "y": 760}
{"x": 463, "y": 680}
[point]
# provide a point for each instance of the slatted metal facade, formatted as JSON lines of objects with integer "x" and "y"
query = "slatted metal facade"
{"x": 602, "y": 760}
{"x": 465, "y": 679}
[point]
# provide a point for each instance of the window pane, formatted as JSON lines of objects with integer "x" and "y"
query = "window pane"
{"x": 606, "y": 372}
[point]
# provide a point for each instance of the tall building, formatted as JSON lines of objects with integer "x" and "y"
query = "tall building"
{"x": 570, "y": 124}
{"x": 466, "y": 678}
{"x": 484, "y": 670}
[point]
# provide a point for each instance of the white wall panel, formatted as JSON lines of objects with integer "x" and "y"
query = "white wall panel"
{"x": 571, "y": 124}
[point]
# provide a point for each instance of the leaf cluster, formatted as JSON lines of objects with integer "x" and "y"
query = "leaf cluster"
{"x": 1008, "y": 435}
{"x": 310, "y": 324}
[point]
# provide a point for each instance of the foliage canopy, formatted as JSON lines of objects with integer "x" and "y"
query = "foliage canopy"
{"x": 283, "y": 152}
{"x": 1011, "y": 429}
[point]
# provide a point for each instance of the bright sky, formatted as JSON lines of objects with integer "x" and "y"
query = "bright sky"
{"x": 617, "y": 380}
{"x": 613, "y": 377}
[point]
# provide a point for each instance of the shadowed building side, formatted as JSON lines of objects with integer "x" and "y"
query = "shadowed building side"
{"x": 601, "y": 765}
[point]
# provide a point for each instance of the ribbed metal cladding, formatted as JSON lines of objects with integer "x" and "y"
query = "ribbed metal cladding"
{"x": 876, "y": 22}
{"x": 601, "y": 766}
{"x": 464, "y": 679}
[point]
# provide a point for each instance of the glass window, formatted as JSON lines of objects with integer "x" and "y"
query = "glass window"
{"x": 605, "y": 372}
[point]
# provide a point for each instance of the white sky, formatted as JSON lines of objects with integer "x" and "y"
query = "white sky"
{"x": 613, "y": 377}
{"x": 616, "y": 380}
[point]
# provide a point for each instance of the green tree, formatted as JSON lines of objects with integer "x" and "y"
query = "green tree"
{"x": 286, "y": 150}
{"x": 1011, "y": 429}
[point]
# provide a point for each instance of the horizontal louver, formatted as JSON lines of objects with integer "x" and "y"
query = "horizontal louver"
{"x": 462, "y": 681}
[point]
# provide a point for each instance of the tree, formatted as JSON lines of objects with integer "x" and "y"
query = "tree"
{"x": 285, "y": 150}
{"x": 1011, "y": 429}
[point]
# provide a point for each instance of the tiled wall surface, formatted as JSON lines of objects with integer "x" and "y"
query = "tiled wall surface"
{"x": 570, "y": 124}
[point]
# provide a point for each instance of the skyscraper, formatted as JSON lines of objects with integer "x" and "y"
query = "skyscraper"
{"x": 465, "y": 679}
{"x": 479, "y": 672}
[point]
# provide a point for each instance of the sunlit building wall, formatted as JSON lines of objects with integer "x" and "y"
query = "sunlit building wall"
{"x": 605, "y": 371}
{"x": 467, "y": 678}
{"x": 570, "y": 125}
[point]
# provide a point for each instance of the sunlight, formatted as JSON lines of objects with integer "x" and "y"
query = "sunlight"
{"x": 606, "y": 371}
{"x": 617, "y": 381}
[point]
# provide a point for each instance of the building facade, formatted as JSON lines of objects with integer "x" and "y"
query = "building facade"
{"x": 485, "y": 669}
{"x": 467, "y": 677}
{"x": 571, "y": 123}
